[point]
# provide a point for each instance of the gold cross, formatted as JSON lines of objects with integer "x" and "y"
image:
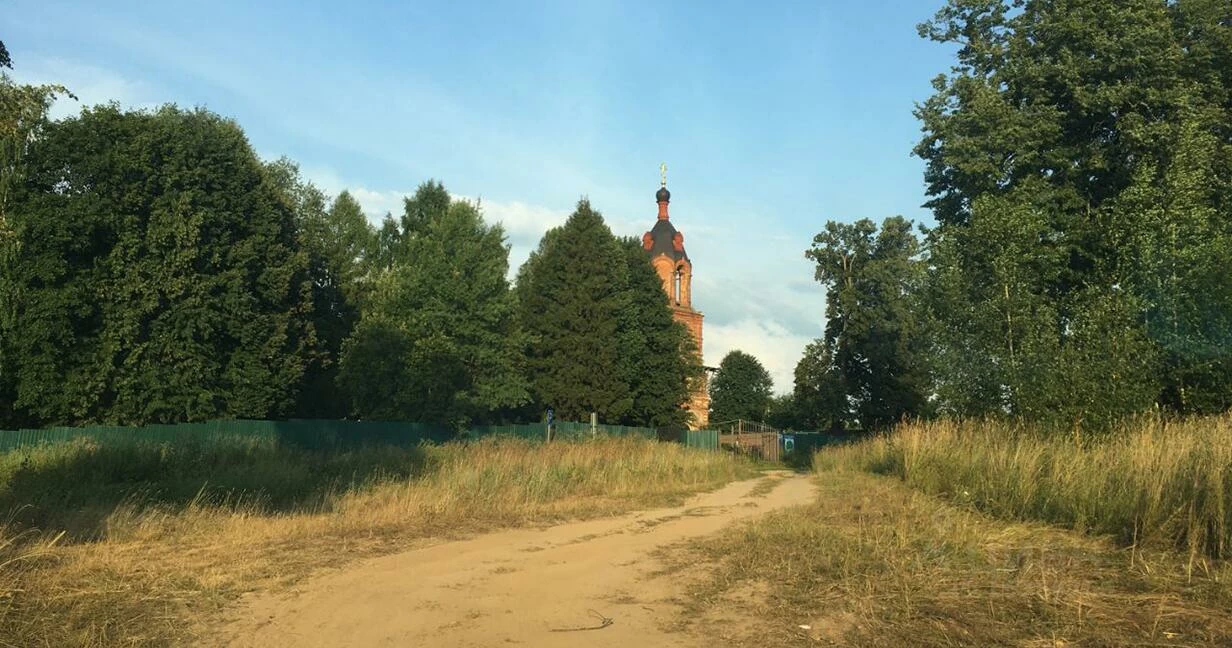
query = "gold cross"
{"x": 663, "y": 174}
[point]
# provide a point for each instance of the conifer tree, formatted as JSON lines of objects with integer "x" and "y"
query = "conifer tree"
{"x": 573, "y": 296}
{"x": 660, "y": 354}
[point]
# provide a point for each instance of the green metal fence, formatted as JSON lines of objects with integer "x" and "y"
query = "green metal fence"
{"x": 809, "y": 442}
{"x": 322, "y": 435}
{"x": 560, "y": 430}
{"x": 704, "y": 439}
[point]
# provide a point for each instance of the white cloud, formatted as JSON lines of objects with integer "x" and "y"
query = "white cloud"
{"x": 777, "y": 348}
{"x": 524, "y": 223}
{"x": 91, "y": 84}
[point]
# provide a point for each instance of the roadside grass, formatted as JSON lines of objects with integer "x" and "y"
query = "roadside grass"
{"x": 146, "y": 546}
{"x": 1151, "y": 482}
{"x": 874, "y": 563}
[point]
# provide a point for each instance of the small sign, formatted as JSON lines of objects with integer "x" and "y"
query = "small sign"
{"x": 789, "y": 442}
{"x": 551, "y": 416}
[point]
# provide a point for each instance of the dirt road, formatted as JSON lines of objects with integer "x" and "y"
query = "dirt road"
{"x": 521, "y": 587}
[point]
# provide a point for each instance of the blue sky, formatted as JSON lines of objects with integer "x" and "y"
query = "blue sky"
{"x": 772, "y": 117}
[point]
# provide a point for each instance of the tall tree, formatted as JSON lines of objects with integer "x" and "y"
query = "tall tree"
{"x": 159, "y": 271}
{"x": 23, "y": 114}
{"x": 659, "y": 355}
{"x": 573, "y": 296}
{"x": 440, "y": 327}
{"x": 337, "y": 240}
{"x": 740, "y": 389}
{"x": 873, "y": 330}
{"x": 819, "y": 399}
{"x": 1072, "y": 154}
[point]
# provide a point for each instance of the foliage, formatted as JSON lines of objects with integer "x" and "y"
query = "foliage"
{"x": 818, "y": 399}
{"x": 740, "y": 389}
{"x": 573, "y": 296}
{"x": 659, "y": 354}
{"x": 439, "y": 339}
{"x": 160, "y": 274}
{"x": 1080, "y": 170}
{"x": 337, "y": 241}
{"x": 874, "y": 334}
{"x": 23, "y": 114}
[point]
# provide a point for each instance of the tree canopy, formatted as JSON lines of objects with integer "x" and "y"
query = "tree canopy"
{"x": 740, "y": 389}
{"x": 157, "y": 274}
{"x": 439, "y": 339}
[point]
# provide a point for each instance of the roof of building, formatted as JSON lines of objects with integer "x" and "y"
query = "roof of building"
{"x": 662, "y": 237}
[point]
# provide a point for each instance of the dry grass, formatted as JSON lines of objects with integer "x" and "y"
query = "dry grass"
{"x": 1150, "y": 483}
{"x": 153, "y": 570}
{"x": 874, "y": 563}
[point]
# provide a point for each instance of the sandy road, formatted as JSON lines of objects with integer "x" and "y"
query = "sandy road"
{"x": 513, "y": 587}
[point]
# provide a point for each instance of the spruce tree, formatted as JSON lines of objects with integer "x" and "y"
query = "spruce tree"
{"x": 573, "y": 296}
{"x": 660, "y": 355}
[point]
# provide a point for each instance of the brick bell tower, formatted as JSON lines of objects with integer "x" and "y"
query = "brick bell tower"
{"x": 666, "y": 248}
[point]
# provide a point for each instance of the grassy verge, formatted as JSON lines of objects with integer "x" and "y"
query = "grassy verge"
{"x": 1150, "y": 483}
{"x": 143, "y": 545}
{"x": 875, "y": 563}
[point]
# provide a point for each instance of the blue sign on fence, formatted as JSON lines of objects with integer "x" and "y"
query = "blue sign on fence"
{"x": 789, "y": 442}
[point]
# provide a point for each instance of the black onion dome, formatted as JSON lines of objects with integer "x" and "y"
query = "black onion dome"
{"x": 662, "y": 236}
{"x": 663, "y": 195}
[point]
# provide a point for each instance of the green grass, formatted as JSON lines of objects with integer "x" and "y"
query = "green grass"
{"x": 146, "y": 545}
{"x": 1149, "y": 483}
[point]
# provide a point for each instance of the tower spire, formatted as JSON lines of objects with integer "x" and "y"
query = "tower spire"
{"x": 663, "y": 196}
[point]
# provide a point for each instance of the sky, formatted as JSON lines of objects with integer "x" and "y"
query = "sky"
{"x": 772, "y": 118}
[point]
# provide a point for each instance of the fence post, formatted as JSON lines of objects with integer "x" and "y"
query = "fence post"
{"x": 594, "y": 424}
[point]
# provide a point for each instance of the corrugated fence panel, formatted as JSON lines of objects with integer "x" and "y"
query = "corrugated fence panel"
{"x": 317, "y": 435}
{"x": 704, "y": 439}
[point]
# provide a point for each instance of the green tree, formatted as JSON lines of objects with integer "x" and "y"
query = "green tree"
{"x": 338, "y": 241}
{"x": 440, "y": 327}
{"x": 819, "y": 399}
{"x": 874, "y": 332}
{"x": 160, "y": 274}
{"x": 660, "y": 357}
{"x": 1076, "y": 158}
{"x": 573, "y": 296}
{"x": 23, "y": 114}
{"x": 783, "y": 413}
{"x": 740, "y": 389}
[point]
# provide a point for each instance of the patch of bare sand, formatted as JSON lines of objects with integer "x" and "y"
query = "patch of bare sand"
{"x": 521, "y": 587}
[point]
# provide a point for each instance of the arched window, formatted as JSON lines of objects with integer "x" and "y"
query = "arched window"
{"x": 676, "y": 286}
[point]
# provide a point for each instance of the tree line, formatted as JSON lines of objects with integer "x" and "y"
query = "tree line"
{"x": 153, "y": 269}
{"x": 1079, "y": 169}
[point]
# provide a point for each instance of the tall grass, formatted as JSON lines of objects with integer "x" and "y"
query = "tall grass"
{"x": 1151, "y": 481}
{"x": 161, "y": 539}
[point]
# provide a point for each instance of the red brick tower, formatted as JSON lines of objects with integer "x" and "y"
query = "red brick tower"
{"x": 666, "y": 248}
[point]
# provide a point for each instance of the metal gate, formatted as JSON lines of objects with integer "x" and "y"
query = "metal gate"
{"x": 763, "y": 445}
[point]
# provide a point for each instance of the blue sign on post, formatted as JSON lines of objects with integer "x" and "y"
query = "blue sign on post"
{"x": 789, "y": 442}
